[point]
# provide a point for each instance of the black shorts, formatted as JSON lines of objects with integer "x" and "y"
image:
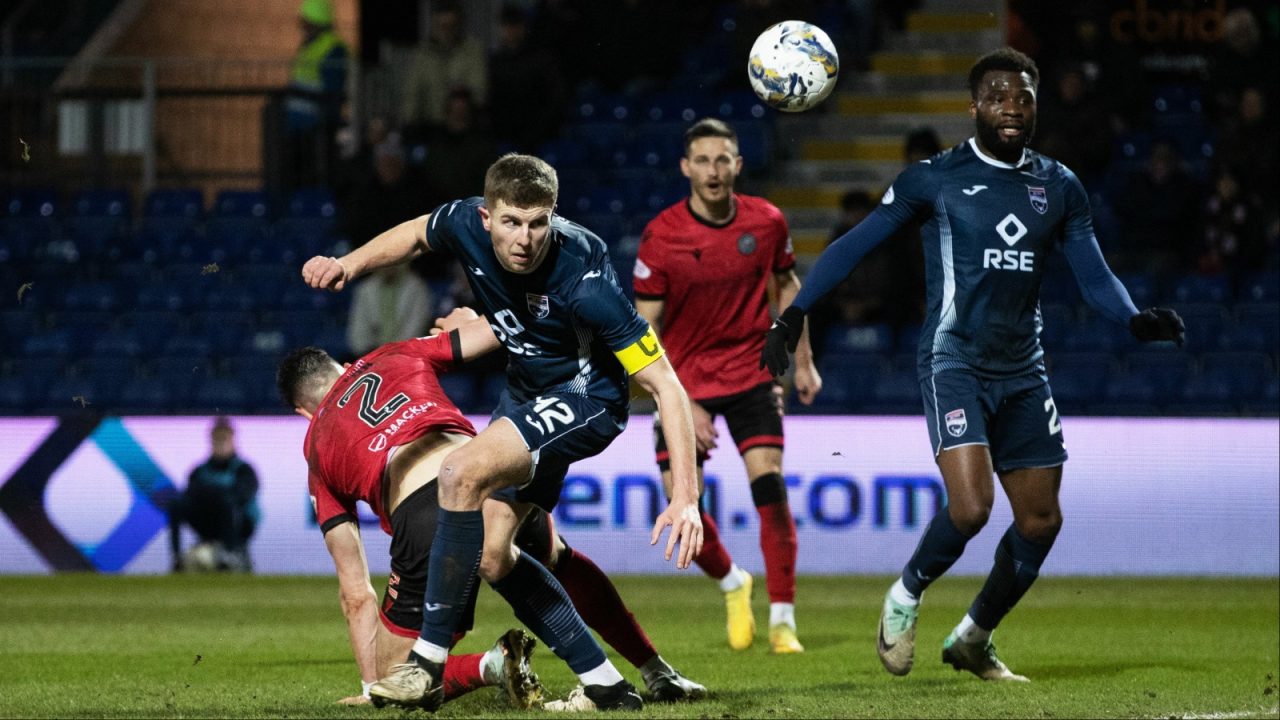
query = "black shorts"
{"x": 754, "y": 418}
{"x": 413, "y": 528}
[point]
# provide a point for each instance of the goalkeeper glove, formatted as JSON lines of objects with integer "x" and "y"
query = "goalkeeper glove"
{"x": 1158, "y": 324}
{"x": 782, "y": 339}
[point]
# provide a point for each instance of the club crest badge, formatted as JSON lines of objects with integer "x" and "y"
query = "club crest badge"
{"x": 539, "y": 305}
{"x": 747, "y": 244}
{"x": 956, "y": 423}
{"x": 1039, "y": 199}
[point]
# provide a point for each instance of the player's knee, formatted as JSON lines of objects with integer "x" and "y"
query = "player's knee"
{"x": 461, "y": 476}
{"x": 969, "y": 518}
{"x": 1041, "y": 528}
{"x": 496, "y": 563}
{"x": 768, "y": 489}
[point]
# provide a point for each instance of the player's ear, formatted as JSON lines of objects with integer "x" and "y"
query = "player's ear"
{"x": 737, "y": 165}
{"x": 684, "y": 166}
{"x": 346, "y": 365}
{"x": 303, "y": 412}
{"x": 485, "y": 218}
{"x": 973, "y": 109}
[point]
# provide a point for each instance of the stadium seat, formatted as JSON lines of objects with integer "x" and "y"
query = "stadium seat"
{"x": 877, "y": 338}
{"x": 98, "y": 295}
{"x": 174, "y": 203}
{"x": 1205, "y": 324}
{"x": 221, "y": 395}
{"x": 65, "y": 394}
{"x": 229, "y": 332}
{"x": 897, "y": 389}
{"x": 16, "y": 395}
{"x": 1262, "y": 319}
{"x": 116, "y": 370}
{"x": 49, "y": 343}
{"x": 1098, "y": 334}
{"x": 461, "y": 388}
{"x": 187, "y": 345}
{"x": 1058, "y": 320}
{"x": 242, "y": 204}
{"x": 1260, "y": 287}
{"x": 1143, "y": 288}
{"x": 229, "y": 297}
{"x": 740, "y": 105}
{"x": 680, "y": 107}
{"x": 1167, "y": 372}
{"x": 1245, "y": 373}
{"x": 17, "y": 325}
{"x": 118, "y": 343}
{"x": 492, "y": 386}
{"x": 848, "y": 381}
{"x": 564, "y": 155}
{"x": 1202, "y": 289}
{"x": 313, "y": 202}
{"x": 1078, "y": 379}
{"x": 755, "y": 143}
{"x": 150, "y": 395}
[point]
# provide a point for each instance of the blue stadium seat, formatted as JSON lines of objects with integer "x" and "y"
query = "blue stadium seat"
{"x": 118, "y": 343}
{"x": 1143, "y": 288}
{"x": 877, "y": 338}
{"x": 609, "y": 227}
{"x": 241, "y": 204}
{"x": 57, "y": 343}
{"x": 491, "y": 387}
{"x": 314, "y": 202}
{"x": 1205, "y": 324}
{"x": 17, "y": 325}
{"x": 1166, "y": 372}
{"x": 115, "y": 370}
{"x": 102, "y": 203}
{"x": 165, "y": 296}
{"x": 600, "y": 137}
{"x": 150, "y": 396}
{"x": 64, "y": 393}
{"x": 1058, "y": 321}
{"x": 1098, "y": 334}
{"x": 16, "y": 395}
{"x": 755, "y": 143}
{"x": 99, "y": 295}
{"x": 187, "y": 345}
{"x": 898, "y": 392}
{"x": 229, "y": 332}
{"x": 296, "y": 296}
{"x": 229, "y": 297}
{"x": 152, "y": 327}
{"x": 677, "y": 106}
{"x": 848, "y": 381}
{"x": 1262, "y": 319}
{"x": 565, "y": 155}
{"x": 1261, "y": 287}
{"x": 174, "y": 203}
{"x": 1245, "y": 373}
{"x": 740, "y": 105}
{"x": 461, "y": 388}
{"x": 32, "y": 202}
{"x": 1078, "y": 379}
{"x": 1202, "y": 289}
{"x": 221, "y": 395}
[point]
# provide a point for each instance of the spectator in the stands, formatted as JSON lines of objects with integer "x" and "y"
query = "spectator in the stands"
{"x": 380, "y": 192}
{"x": 1074, "y": 128}
{"x": 449, "y": 60}
{"x": 389, "y": 305}
{"x": 458, "y": 153}
{"x": 1233, "y": 229}
{"x": 1159, "y": 210}
{"x": 524, "y": 75}
{"x": 313, "y": 99}
{"x": 1246, "y": 58}
{"x": 1251, "y": 144}
{"x": 921, "y": 144}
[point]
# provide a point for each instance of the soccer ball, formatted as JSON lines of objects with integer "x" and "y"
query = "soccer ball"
{"x": 793, "y": 66}
{"x": 204, "y": 557}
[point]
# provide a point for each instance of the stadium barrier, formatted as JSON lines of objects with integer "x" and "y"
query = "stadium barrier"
{"x": 1166, "y": 496}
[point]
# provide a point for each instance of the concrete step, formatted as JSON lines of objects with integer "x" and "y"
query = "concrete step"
{"x": 869, "y": 174}
{"x": 949, "y": 22}
{"x": 972, "y": 42}
{"x": 873, "y": 82}
{"x": 924, "y": 103}
{"x": 962, "y": 6}
{"x": 921, "y": 62}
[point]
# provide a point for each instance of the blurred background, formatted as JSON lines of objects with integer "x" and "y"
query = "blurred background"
{"x": 168, "y": 165}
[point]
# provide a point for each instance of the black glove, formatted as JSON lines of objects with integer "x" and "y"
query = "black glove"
{"x": 1158, "y": 324}
{"x": 782, "y": 340}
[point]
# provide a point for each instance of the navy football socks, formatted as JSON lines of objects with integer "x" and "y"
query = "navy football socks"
{"x": 451, "y": 571}
{"x": 1017, "y": 566}
{"x": 939, "y": 548}
{"x": 542, "y": 605}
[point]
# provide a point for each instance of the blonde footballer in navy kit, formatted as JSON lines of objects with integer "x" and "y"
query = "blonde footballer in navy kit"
{"x": 991, "y": 212}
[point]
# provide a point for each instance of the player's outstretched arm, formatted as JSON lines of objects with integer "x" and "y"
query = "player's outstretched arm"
{"x": 808, "y": 381}
{"x": 659, "y": 378}
{"x": 399, "y": 244}
{"x": 359, "y": 601}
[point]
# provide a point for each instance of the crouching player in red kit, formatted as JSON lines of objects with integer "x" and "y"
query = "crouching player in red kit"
{"x": 379, "y": 430}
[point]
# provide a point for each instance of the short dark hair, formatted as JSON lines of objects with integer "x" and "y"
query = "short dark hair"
{"x": 1005, "y": 59}
{"x": 708, "y": 127}
{"x": 299, "y": 368}
{"x": 521, "y": 180}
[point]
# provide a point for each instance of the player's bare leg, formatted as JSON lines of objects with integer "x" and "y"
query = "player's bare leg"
{"x": 778, "y": 545}
{"x": 966, "y": 472}
{"x": 1037, "y": 517}
{"x": 734, "y": 582}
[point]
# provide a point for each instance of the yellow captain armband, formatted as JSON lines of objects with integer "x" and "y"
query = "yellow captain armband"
{"x": 639, "y": 354}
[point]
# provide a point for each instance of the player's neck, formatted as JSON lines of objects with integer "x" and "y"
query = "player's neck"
{"x": 719, "y": 213}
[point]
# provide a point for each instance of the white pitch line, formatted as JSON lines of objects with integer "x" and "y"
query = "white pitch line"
{"x": 1228, "y": 715}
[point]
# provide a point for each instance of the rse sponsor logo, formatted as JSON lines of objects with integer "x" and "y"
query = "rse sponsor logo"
{"x": 997, "y": 259}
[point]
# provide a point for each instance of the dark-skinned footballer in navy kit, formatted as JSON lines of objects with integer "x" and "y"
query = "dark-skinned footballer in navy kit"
{"x": 991, "y": 212}
{"x": 553, "y": 301}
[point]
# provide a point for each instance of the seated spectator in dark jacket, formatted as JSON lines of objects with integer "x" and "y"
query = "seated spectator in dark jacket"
{"x": 528, "y": 83}
{"x": 220, "y": 504}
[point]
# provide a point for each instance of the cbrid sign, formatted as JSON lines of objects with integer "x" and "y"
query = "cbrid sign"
{"x": 1156, "y": 22}
{"x": 1140, "y": 496}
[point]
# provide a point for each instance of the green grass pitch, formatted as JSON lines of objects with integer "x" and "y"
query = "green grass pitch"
{"x": 209, "y": 646}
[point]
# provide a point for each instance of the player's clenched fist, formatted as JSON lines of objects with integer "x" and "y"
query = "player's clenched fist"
{"x": 324, "y": 273}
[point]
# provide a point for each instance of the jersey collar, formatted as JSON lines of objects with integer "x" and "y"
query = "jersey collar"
{"x": 1022, "y": 162}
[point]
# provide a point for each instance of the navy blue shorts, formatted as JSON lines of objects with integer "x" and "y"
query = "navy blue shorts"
{"x": 1014, "y": 417}
{"x": 558, "y": 429}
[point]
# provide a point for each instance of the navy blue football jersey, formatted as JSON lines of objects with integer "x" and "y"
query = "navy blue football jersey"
{"x": 561, "y": 324}
{"x": 988, "y": 228}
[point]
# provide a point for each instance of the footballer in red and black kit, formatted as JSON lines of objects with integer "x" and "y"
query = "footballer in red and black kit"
{"x": 702, "y": 279}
